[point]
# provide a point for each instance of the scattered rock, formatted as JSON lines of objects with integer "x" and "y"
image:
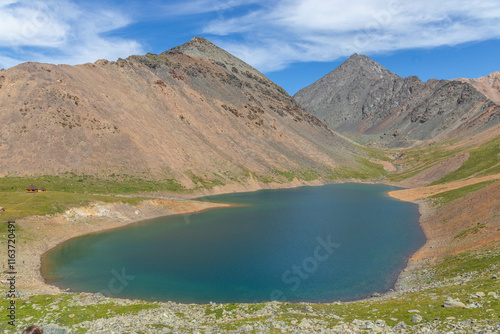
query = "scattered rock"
{"x": 474, "y": 305}
{"x": 400, "y": 325}
{"x": 246, "y": 328}
{"x": 450, "y": 302}
{"x": 416, "y": 318}
{"x": 304, "y": 324}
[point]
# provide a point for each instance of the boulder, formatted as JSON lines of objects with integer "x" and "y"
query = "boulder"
{"x": 450, "y": 302}
{"x": 399, "y": 326}
{"x": 416, "y": 318}
{"x": 304, "y": 324}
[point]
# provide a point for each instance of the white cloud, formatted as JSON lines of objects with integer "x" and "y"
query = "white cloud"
{"x": 269, "y": 35}
{"x": 203, "y": 6}
{"x": 60, "y": 31}
{"x": 316, "y": 30}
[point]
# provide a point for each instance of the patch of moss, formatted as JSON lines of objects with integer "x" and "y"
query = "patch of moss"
{"x": 265, "y": 178}
{"x": 365, "y": 170}
{"x": 288, "y": 175}
{"x": 22, "y": 204}
{"x": 417, "y": 160}
{"x": 447, "y": 197}
{"x": 205, "y": 182}
{"x": 90, "y": 184}
{"x": 61, "y": 309}
{"x": 472, "y": 230}
{"x": 480, "y": 159}
{"x": 474, "y": 261}
{"x": 308, "y": 174}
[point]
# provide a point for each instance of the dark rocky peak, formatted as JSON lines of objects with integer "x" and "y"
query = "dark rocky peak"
{"x": 198, "y": 46}
{"x": 203, "y": 48}
{"x": 360, "y": 65}
{"x": 356, "y": 73}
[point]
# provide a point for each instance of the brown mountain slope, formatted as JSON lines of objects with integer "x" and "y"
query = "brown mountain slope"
{"x": 488, "y": 85}
{"x": 194, "y": 109}
{"x": 360, "y": 97}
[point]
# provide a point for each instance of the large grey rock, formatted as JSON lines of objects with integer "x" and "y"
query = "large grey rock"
{"x": 304, "y": 324}
{"x": 416, "y": 318}
{"x": 450, "y": 302}
{"x": 399, "y": 326}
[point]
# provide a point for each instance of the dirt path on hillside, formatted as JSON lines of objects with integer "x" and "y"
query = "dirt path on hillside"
{"x": 424, "y": 192}
{"x": 435, "y": 172}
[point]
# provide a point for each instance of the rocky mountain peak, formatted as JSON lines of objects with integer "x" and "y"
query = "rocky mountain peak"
{"x": 362, "y": 65}
{"x": 346, "y": 88}
{"x": 198, "y": 46}
{"x": 203, "y": 48}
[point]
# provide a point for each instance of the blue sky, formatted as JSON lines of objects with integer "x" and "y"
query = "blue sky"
{"x": 294, "y": 42}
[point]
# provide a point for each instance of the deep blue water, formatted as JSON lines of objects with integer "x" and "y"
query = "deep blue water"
{"x": 316, "y": 244}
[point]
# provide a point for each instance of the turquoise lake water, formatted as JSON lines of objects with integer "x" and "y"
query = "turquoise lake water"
{"x": 314, "y": 244}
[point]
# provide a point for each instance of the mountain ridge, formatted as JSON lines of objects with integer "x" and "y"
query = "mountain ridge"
{"x": 394, "y": 111}
{"x": 178, "y": 115}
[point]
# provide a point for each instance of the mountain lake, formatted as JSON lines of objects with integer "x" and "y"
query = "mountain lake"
{"x": 327, "y": 243}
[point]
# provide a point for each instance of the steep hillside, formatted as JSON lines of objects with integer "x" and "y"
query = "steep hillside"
{"x": 360, "y": 97}
{"x": 193, "y": 113}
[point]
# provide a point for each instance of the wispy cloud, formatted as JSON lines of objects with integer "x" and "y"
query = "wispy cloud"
{"x": 203, "y": 6}
{"x": 290, "y": 31}
{"x": 60, "y": 31}
{"x": 269, "y": 35}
